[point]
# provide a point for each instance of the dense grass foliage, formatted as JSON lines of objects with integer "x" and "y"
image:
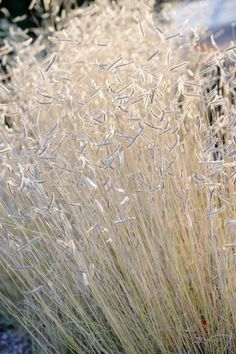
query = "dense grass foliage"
{"x": 118, "y": 188}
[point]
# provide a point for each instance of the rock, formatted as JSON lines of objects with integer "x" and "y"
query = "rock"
{"x": 14, "y": 341}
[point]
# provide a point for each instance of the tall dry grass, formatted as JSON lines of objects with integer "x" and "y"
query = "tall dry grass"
{"x": 117, "y": 192}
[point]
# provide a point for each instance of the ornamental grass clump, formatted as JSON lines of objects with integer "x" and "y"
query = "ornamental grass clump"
{"x": 118, "y": 188}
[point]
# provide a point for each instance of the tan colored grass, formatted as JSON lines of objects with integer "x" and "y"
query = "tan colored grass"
{"x": 118, "y": 226}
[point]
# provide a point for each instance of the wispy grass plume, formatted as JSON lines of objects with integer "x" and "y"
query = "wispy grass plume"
{"x": 118, "y": 189}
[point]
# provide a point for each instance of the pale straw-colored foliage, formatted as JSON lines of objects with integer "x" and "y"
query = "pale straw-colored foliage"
{"x": 117, "y": 219}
